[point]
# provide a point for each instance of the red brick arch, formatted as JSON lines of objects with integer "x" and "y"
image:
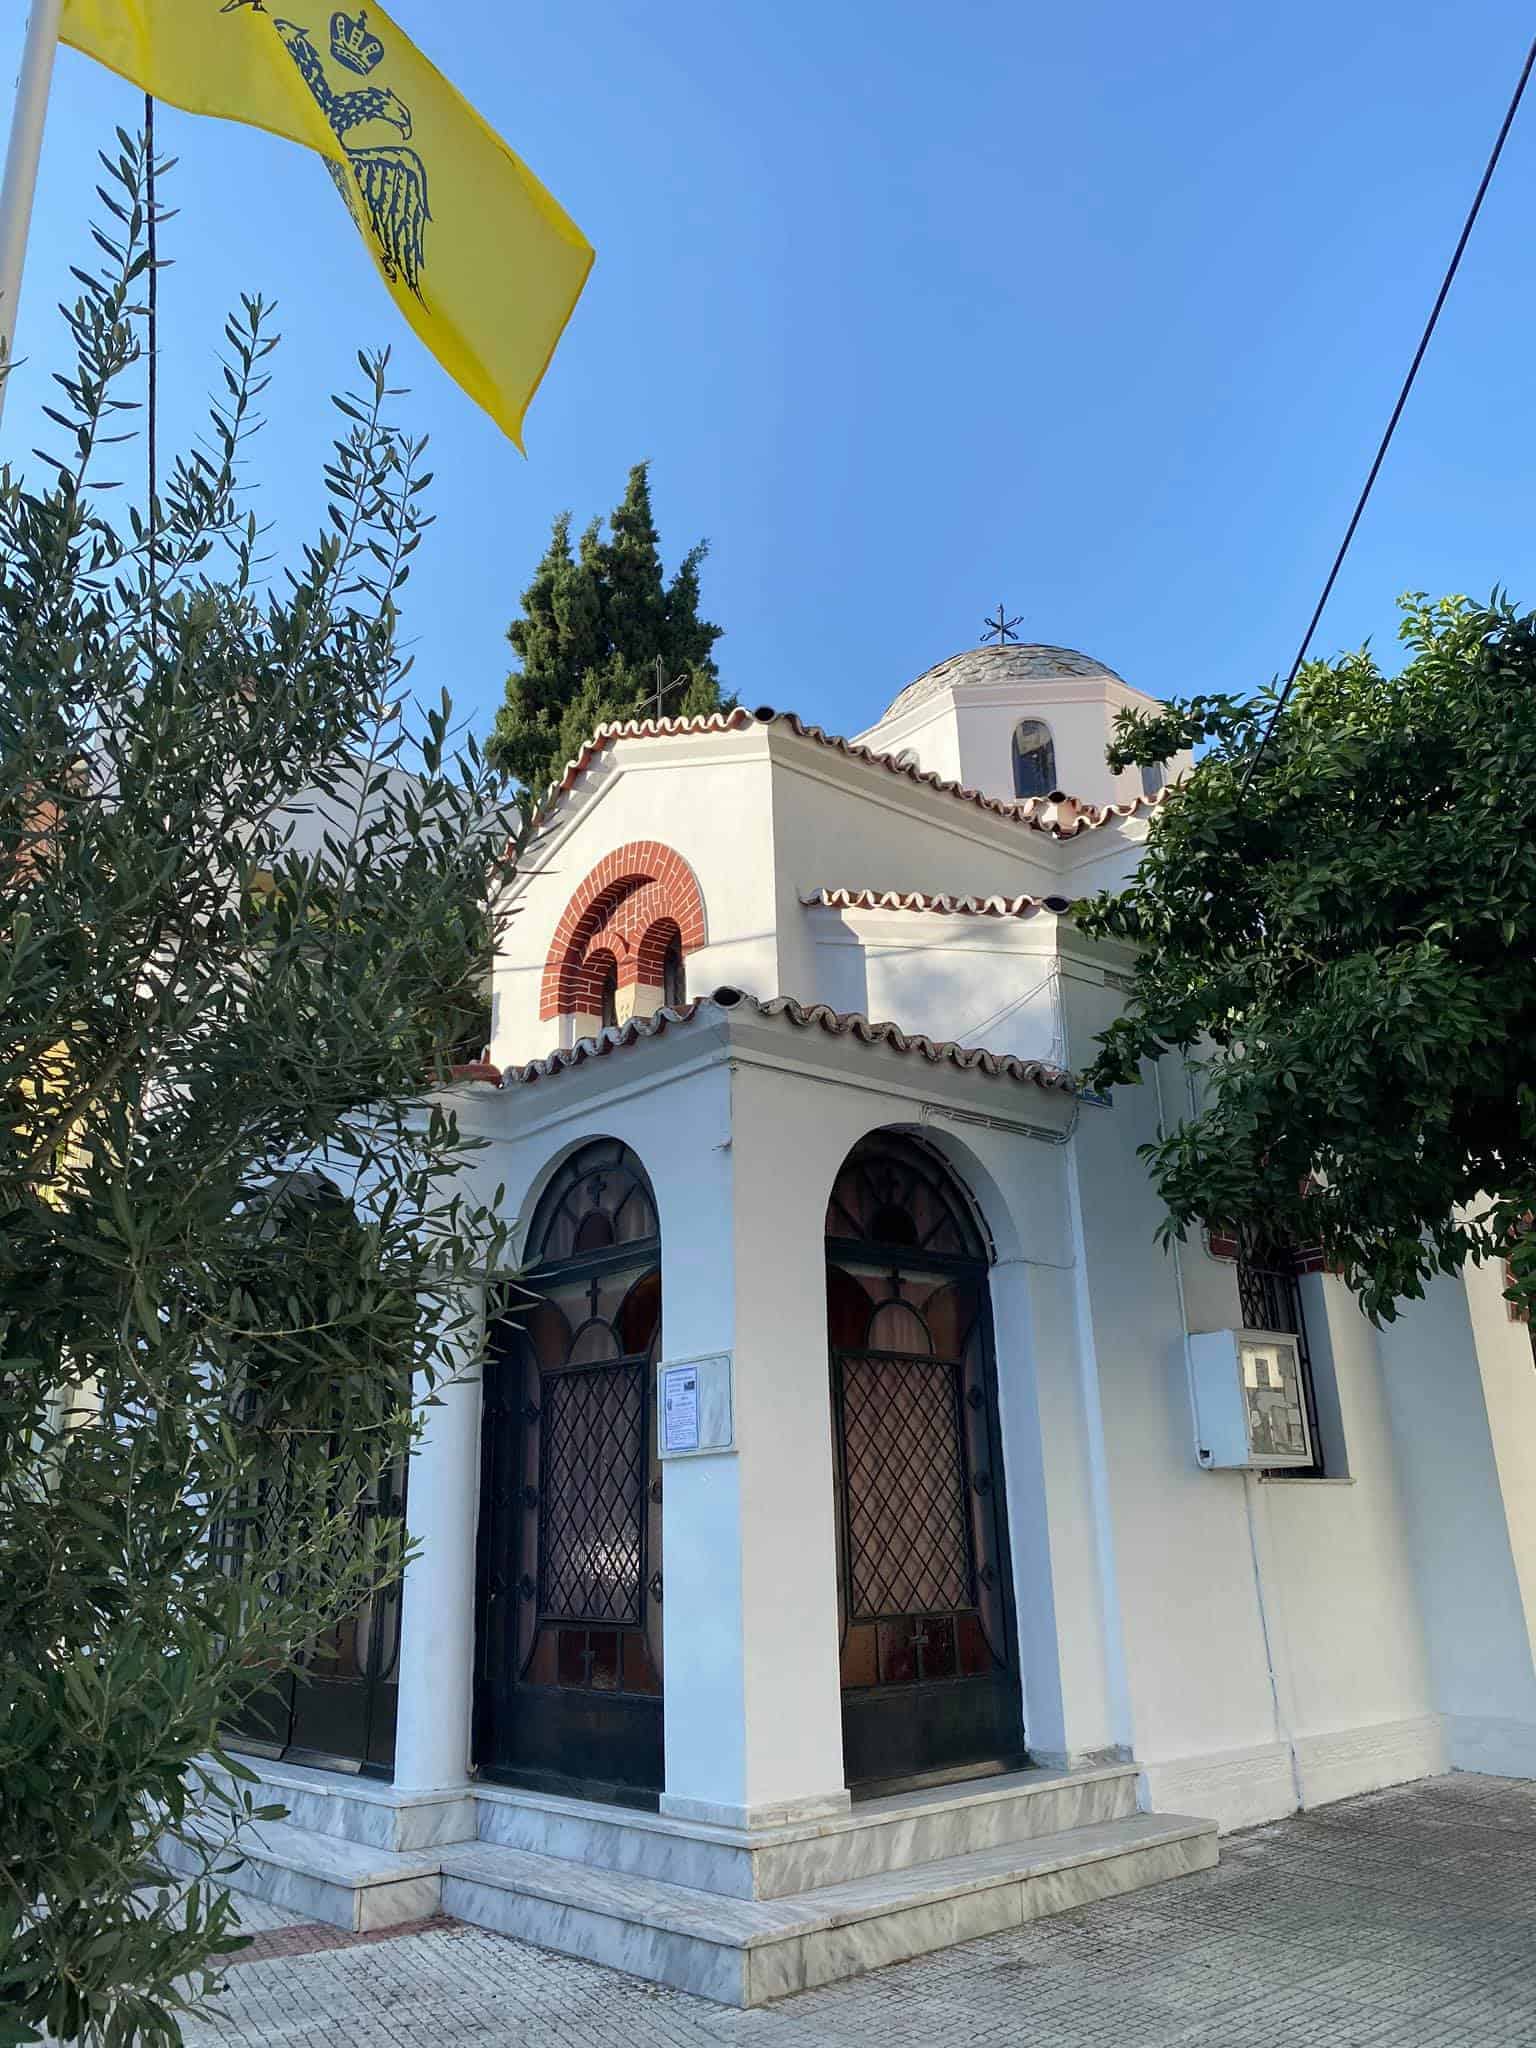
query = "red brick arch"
{"x": 628, "y": 906}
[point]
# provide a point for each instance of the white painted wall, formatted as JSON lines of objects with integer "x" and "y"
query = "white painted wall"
{"x": 1470, "y": 1536}
{"x": 979, "y": 980}
{"x": 1273, "y": 1638}
{"x": 763, "y": 816}
{"x": 706, "y": 796}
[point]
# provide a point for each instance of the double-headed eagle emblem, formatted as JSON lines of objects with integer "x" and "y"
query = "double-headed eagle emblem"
{"x": 391, "y": 179}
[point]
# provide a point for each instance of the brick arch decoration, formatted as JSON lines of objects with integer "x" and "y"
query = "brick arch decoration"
{"x": 629, "y": 905}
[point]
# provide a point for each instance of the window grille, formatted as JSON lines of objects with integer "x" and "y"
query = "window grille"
{"x": 1269, "y": 1294}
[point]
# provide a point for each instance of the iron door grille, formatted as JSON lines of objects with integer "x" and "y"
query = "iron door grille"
{"x": 592, "y": 1495}
{"x": 906, "y": 1523}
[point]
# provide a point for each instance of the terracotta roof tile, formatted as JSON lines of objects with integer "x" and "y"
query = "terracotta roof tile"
{"x": 805, "y": 1017}
{"x": 949, "y": 906}
{"x": 1062, "y": 816}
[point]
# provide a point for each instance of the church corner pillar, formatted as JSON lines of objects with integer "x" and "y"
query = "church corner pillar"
{"x": 753, "y": 1700}
{"x": 437, "y": 1613}
{"x": 1076, "y": 1694}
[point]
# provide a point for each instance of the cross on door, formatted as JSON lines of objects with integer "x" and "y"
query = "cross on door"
{"x": 920, "y": 1642}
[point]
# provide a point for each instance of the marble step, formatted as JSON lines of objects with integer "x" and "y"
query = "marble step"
{"x": 894, "y": 1832}
{"x": 342, "y": 1883}
{"x": 359, "y": 1809}
{"x": 746, "y": 1952}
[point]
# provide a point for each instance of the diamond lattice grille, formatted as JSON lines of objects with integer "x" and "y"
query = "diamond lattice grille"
{"x": 592, "y": 1494}
{"x": 909, "y": 1551}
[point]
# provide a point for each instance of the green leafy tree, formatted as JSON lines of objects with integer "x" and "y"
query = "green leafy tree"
{"x": 1346, "y": 950}
{"x": 230, "y": 1225}
{"x": 595, "y": 623}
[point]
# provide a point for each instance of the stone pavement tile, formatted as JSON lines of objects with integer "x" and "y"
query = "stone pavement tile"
{"x": 444, "y": 1986}
{"x": 257, "y": 1917}
{"x": 1502, "y": 2003}
{"x": 1399, "y": 1985}
{"x": 1305, "y": 2017}
{"x": 1332, "y": 2030}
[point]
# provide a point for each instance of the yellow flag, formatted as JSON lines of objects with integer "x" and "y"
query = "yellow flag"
{"x": 483, "y": 262}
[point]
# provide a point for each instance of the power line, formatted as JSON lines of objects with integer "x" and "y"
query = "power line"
{"x": 1397, "y": 411}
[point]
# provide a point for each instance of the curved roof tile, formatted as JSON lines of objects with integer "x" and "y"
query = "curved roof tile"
{"x": 1060, "y": 815}
{"x": 805, "y": 1017}
{"x": 950, "y": 906}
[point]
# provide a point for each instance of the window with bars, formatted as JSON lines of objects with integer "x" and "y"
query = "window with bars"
{"x": 1269, "y": 1292}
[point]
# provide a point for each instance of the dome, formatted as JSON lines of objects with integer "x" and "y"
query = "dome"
{"x": 1011, "y": 664}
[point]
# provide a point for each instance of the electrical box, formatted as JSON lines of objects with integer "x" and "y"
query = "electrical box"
{"x": 1250, "y": 1405}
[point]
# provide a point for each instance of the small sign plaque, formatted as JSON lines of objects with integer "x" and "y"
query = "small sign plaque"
{"x": 693, "y": 1406}
{"x": 680, "y": 1408}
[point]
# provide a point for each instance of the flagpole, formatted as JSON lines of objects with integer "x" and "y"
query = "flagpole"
{"x": 152, "y": 415}
{"x": 21, "y": 158}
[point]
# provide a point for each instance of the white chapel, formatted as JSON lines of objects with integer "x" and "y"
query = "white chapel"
{"x": 859, "y": 1534}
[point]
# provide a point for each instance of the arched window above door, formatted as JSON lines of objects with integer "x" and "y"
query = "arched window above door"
{"x": 1034, "y": 758}
{"x": 895, "y": 1191}
{"x": 599, "y": 1197}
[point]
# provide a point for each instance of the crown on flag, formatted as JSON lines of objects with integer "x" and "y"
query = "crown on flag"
{"x": 353, "y": 43}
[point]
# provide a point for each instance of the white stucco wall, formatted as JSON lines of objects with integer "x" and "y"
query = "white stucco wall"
{"x": 978, "y": 980}
{"x": 1470, "y": 1527}
{"x": 762, "y": 817}
{"x": 705, "y": 796}
{"x": 1274, "y": 1643}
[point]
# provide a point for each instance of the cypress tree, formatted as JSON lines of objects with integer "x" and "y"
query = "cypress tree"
{"x": 594, "y": 622}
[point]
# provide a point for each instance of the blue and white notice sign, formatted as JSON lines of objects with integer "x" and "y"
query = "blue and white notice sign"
{"x": 693, "y": 1406}
{"x": 679, "y": 1408}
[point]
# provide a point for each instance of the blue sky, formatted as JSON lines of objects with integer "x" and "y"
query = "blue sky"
{"x": 1097, "y": 310}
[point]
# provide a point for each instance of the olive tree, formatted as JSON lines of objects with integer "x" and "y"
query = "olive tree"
{"x": 244, "y": 889}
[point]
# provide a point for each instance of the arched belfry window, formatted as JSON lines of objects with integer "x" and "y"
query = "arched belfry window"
{"x": 1153, "y": 776}
{"x": 569, "y": 1668}
{"x": 674, "y": 974}
{"x": 603, "y": 987}
{"x": 929, "y": 1663}
{"x": 1034, "y": 758}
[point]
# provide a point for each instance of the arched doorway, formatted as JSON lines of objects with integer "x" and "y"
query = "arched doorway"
{"x": 568, "y": 1673}
{"x": 929, "y": 1647}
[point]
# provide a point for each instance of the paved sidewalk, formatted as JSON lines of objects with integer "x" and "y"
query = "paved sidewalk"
{"x": 1404, "y": 1919}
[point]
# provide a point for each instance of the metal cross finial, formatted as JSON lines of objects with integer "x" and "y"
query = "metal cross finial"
{"x": 663, "y": 687}
{"x": 1001, "y": 628}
